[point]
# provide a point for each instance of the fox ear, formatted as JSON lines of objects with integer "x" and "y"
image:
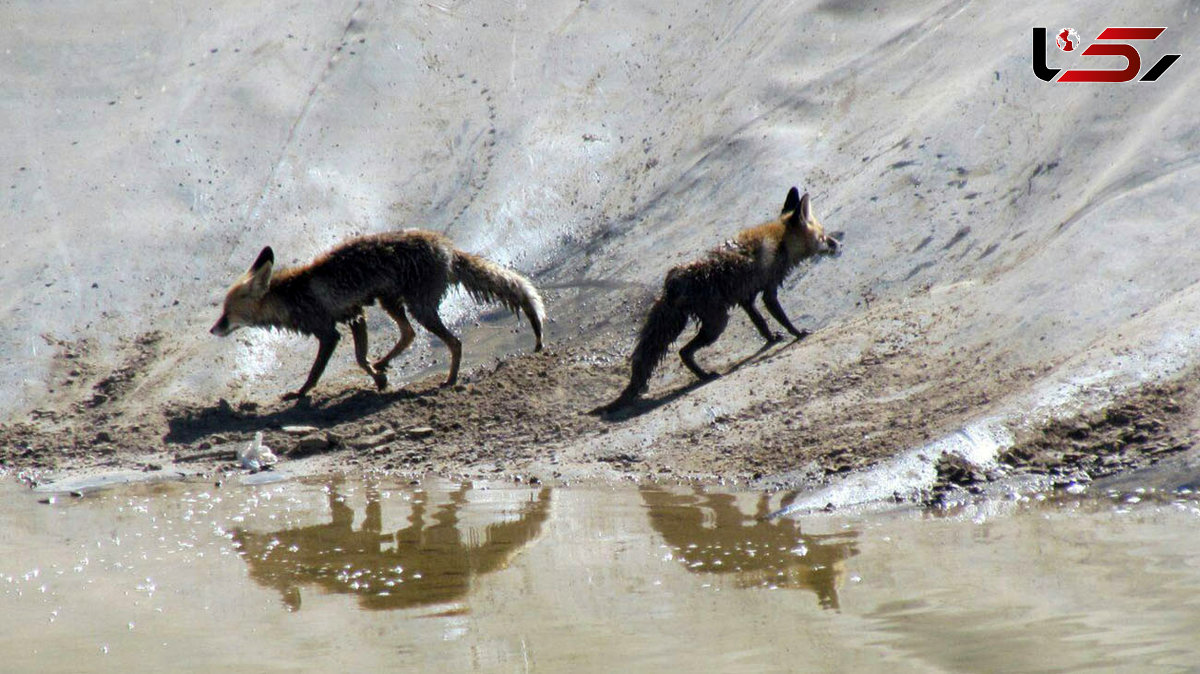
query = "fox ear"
{"x": 792, "y": 202}
{"x": 267, "y": 256}
{"x": 260, "y": 271}
{"x": 805, "y": 208}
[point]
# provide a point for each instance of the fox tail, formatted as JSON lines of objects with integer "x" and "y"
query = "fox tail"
{"x": 486, "y": 281}
{"x": 666, "y": 320}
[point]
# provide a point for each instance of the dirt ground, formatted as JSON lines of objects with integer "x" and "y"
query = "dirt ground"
{"x": 1137, "y": 431}
{"x": 796, "y": 422}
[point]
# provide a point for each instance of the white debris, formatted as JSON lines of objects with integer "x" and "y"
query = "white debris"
{"x": 257, "y": 455}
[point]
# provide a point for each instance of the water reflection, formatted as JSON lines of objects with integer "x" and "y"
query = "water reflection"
{"x": 710, "y": 533}
{"x": 430, "y": 561}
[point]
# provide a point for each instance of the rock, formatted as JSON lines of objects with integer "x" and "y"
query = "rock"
{"x": 381, "y": 450}
{"x": 299, "y": 430}
{"x": 418, "y": 432}
{"x": 311, "y": 444}
{"x": 1080, "y": 430}
{"x": 370, "y": 441}
{"x": 1118, "y": 417}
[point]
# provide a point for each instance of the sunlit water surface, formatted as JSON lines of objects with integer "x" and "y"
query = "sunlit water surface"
{"x": 362, "y": 574}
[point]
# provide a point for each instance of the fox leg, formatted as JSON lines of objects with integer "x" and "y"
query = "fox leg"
{"x": 428, "y": 318}
{"x": 358, "y": 330}
{"x": 771, "y": 300}
{"x": 760, "y": 323}
{"x": 396, "y": 311}
{"x": 326, "y": 343}
{"x": 711, "y": 327}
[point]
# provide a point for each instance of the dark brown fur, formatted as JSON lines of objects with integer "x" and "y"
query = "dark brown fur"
{"x": 756, "y": 261}
{"x": 401, "y": 270}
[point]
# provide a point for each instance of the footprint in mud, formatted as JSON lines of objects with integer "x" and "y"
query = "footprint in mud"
{"x": 76, "y": 368}
{"x": 139, "y": 354}
{"x": 477, "y": 181}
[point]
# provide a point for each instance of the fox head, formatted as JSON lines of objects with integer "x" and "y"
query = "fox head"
{"x": 797, "y": 213}
{"x": 243, "y": 302}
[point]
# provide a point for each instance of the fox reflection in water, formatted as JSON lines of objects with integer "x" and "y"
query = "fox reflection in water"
{"x": 708, "y": 533}
{"x": 427, "y": 562}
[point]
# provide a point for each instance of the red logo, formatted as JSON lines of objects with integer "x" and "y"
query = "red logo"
{"x": 1116, "y": 42}
{"x": 1067, "y": 39}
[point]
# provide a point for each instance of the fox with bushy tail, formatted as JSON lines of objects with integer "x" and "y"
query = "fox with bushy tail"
{"x": 756, "y": 261}
{"x": 409, "y": 269}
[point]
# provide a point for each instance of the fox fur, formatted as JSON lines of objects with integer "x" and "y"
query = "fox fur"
{"x": 756, "y": 261}
{"x": 407, "y": 270}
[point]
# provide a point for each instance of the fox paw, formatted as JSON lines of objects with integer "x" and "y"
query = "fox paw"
{"x": 381, "y": 380}
{"x": 627, "y": 398}
{"x": 775, "y": 338}
{"x": 294, "y": 395}
{"x": 800, "y": 335}
{"x": 613, "y": 408}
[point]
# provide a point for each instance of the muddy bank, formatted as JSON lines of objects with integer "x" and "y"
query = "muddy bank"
{"x": 785, "y": 414}
{"x": 779, "y": 417}
{"x": 1137, "y": 431}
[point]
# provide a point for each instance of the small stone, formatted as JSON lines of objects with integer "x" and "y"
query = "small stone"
{"x": 419, "y": 432}
{"x": 370, "y": 441}
{"x": 299, "y": 430}
{"x": 311, "y": 444}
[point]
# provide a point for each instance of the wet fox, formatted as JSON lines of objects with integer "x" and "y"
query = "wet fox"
{"x": 756, "y": 261}
{"x": 408, "y": 269}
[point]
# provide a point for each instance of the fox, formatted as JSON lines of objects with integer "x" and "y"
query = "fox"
{"x": 405, "y": 271}
{"x": 754, "y": 262}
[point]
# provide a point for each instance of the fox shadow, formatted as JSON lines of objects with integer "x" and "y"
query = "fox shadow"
{"x": 193, "y": 423}
{"x": 642, "y": 406}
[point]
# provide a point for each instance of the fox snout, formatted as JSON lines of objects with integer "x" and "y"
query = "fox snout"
{"x": 830, "y": 245}
{"x": 221, "y": 327}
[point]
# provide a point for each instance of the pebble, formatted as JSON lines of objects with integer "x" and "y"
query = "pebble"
{"x": 311, "y": 444}
{"x": 299, "y": 430}
{"x": 370, "y": 441}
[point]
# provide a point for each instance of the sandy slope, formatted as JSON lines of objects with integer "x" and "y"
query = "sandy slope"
{"x": 1012, "y": 247}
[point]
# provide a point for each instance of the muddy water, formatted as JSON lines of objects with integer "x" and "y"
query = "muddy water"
{"x": 360, "y": 574}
